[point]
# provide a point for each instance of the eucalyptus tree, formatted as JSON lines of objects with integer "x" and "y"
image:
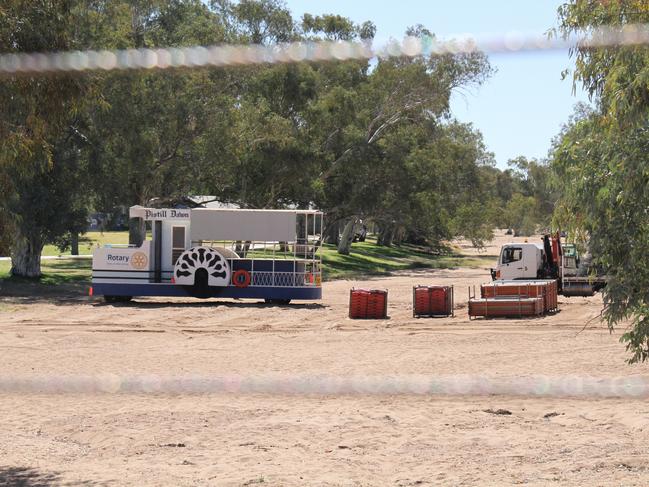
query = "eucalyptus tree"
{"x": 601, "y": 159}
{"x": 37, "y": 113}
{"x": 358, "y": 123}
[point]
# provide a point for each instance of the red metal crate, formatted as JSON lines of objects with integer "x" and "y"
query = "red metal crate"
{"x": 368, "y": 304}
{"x": 432, "y": 301}
{"x": 506, "y": 306}
{"x": 547, "y": 289}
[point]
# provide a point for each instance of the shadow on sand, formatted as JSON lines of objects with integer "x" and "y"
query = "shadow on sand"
{"x": 31, "y": 477}
{"x": 208, "y": 304}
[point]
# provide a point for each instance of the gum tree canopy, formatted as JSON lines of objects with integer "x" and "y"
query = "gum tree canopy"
{"x": 602, "y": 160}
{"x": 37, "y": 127}
{"x": 358, "y": 139}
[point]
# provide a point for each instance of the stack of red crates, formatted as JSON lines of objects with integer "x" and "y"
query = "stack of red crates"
{"x": 368, "y": 304}
{"x": 546, "y": 289}
{"x": 432, "y": 301}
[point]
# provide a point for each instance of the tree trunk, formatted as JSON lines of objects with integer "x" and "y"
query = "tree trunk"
{"x": 74, "y": 244}
{"x": 242, "y": 248}
{"x": 386, "y": 235}
{"x": 332, "y": 233}
{"x": 381, "y": 236}
{"x": 345, "y": 244}
{"x": 136, "y": 231}
{"x": 398, "y": 235}
{"x": 390, "y": 236}
{"x": 26, "y": 255}
{"x": 5, "y": 235}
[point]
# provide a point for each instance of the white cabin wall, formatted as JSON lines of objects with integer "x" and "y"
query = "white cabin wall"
{"x": 254, "y": 225}
{"x": 167, "y": 225}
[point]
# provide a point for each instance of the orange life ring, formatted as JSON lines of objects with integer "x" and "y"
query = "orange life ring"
{"x": 241, "y": 278}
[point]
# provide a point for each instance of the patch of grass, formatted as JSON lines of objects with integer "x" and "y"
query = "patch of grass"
{"x": 56, "y": 271}
{"x": 65, "y": 276}
{"x": 65, "y": 271}
{"x": 368, "y": 259}
{"x": 89, "y": 241}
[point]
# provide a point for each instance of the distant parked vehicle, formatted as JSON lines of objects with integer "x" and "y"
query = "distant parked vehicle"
{"x": 361, "y": 233}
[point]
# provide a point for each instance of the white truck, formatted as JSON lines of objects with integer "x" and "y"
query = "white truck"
{"x": 549, "y": 259}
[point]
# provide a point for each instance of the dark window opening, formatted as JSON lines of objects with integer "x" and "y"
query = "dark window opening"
{"x": 512, "y": 254}
{"x": 177, "y": 243}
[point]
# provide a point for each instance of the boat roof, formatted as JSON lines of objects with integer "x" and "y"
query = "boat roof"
{"x": 185, "y": 213}
{"x": 236, "y": 224}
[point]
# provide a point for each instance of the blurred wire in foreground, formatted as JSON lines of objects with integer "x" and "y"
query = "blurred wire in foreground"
{"x": 237, "y": 55}
{"x": 456, "y": 385}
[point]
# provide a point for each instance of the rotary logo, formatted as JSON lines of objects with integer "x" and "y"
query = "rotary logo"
{"x": 139, "y": 260}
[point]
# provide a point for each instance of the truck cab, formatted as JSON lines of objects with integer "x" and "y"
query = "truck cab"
{"x": 519, "y": 261}
{"x": 548, "y": 260}
{"x": 570, "y": 260}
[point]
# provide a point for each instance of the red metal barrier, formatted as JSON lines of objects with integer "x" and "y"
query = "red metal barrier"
{"x": 368, "y": 304}
{"x": 432, "y": 301}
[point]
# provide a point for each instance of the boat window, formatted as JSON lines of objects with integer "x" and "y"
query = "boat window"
{"x": 177, "y": 243}
{"x": 512, "y": 254}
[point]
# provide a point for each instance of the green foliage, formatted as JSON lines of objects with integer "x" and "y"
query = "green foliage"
{"x": 474, "y": 223}
{"x": 38, "y": 132}
{"x": 617, "y": 77}
{"x": 257, "y": 22}
{"x": 520, "y": 198}
{"x": 519, "y": 215}
{"x": 535, "y": 179}
{"x": 348, "y": 139}
{"x": 525, "y": 196}
{"x": 601, "y": 159}
{"x": 374, "y": 141}
{"x": 336, "y": 27}
{"x": 390, "y": 153}
{"x": 606, "y": 198}
{"x": 49, "y": 204}
{"x": 34, "y": 109}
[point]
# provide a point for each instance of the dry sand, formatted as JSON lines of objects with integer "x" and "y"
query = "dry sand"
{"x": 239, "y": 439}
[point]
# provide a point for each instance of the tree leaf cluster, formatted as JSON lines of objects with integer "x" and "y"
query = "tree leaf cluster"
{"x": 601, "y": 159}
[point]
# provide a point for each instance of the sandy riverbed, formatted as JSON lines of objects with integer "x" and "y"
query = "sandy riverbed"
{"x": 241, "y": 439}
